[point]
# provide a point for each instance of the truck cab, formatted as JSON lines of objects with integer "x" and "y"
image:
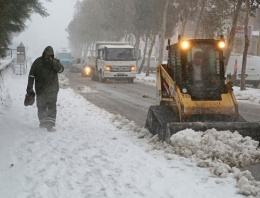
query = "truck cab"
{"x": 115, "y": 60}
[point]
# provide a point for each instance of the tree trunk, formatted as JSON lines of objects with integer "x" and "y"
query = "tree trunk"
{"x": 243, "y": 70}
{"x": 144, "y": 52}
{"x": 137, "y": 43}
{"x": 162, "y": 34}
{"x": 149, "y": 55}
{"x": 231, "y": 36}
{"x": 184, "y": 23}
{"x": 200, "y": 17}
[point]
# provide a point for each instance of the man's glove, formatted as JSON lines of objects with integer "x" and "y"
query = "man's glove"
{"x": 29, "y": 97}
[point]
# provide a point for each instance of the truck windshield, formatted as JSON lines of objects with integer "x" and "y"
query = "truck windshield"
{"x": 120, "y": 54}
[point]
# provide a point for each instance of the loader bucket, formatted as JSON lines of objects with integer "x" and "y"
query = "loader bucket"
{"x": 161, "y": 120}
{"x": 251, "y": 129}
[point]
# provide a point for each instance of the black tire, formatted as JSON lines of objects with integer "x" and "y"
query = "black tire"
{"x": 255, "y": 84}
{"x": 102, "y": 80}
{"x": 93, "y": 76}
{"x": 157, "y": 119}
{"x": 131, "y": 80}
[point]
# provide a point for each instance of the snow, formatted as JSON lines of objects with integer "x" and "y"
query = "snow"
{"x": 97, "y": 154}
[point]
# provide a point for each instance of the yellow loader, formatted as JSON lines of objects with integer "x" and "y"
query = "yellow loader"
{"x": 193, "y": 92}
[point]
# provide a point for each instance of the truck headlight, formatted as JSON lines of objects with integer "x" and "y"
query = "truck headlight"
{"x": 108, "y": 68}
{"x": 87, "y": 69}
{"x": 133, "y": 68}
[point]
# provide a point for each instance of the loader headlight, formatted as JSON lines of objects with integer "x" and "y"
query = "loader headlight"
{"x": 185, "y": 45}
{"x": 108, "y": 68}
{"x": 184, "y": 90}
{"x": 221, "y": 44}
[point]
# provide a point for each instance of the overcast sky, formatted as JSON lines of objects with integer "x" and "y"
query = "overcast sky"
{"x": 50, "y": 30}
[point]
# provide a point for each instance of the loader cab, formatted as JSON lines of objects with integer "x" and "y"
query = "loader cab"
{"x": 196, "y": 66}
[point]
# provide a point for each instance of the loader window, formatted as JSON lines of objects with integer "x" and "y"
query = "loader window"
{"x": 175, "y": 67}
{"x": 203, "y": 64}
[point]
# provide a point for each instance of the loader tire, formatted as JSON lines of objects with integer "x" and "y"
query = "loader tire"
{"x": 157, "y": 119}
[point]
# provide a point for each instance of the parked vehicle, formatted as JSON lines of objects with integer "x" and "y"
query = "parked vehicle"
{"x": 252, "y": 74}
{"x": 86, "y": 71}
{"x": 153, "y": 64}
{"x": 65, "y": 57}
{"x": 76, "y": 67}
{"x": 88, "y": 66}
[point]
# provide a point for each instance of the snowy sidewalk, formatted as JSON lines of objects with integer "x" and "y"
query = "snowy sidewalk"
{"x": 93, "y": 154}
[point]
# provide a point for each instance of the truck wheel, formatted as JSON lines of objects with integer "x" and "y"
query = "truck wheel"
{"x": 102, "y": 80}
{"x": 131, "y": 80}
{"x": 255, "y": 84}
{"x": 93, "y": 76}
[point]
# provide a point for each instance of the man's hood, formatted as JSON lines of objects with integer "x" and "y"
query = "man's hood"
{"x": 49, "y": 50}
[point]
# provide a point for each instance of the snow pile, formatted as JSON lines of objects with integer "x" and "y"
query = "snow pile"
{"x": 63, "y": 81}
{"x": 5, "y": 61}
{"x": 230, "y": 148}
{"x": 247, "y": 94}
{"x": 4, "y": 88}
{"x": 221, "y": 152}
{"x": 151, "y": 79}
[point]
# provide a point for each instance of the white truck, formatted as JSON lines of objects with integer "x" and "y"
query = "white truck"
{"x": 252, "y": 74}
{"x": 115, "y": 60}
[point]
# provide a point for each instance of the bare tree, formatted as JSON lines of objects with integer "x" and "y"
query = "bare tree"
{"x": 162, "y": 32}
{"x": 232, "y": 33}
{"x": 201, "y": 11}
{"x": 149, "y": 55}
{"x": 243, "y": 70}
{"x": 144, "y": 52}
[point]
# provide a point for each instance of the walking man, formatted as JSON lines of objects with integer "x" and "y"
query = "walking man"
{"x": 44, "y": 72}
